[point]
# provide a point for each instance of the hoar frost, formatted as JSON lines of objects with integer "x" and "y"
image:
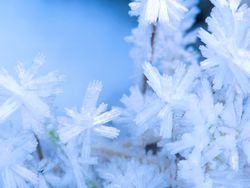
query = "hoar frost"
{"x": 187, "y": 127}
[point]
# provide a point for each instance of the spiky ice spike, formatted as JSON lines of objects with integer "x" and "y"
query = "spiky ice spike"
{"x": 174, "y": 91}
{"x": 78, "y": 128}
{"x": 89, "y": 117}
{"x": 15, "y": 151}
{"x": 28, "y": 92}
{"x": 92, "y": 94}
{"x": 227, "y": 43}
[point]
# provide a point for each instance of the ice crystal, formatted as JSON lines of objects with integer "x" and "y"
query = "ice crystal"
{"x": 78, "y": 127}
{"x": 173, "y": 90}
{"x": 14, "y": 152}
{"x": 188, "y": 127}
{"x": 28, "y": 93}
{"x": 89, "y": 117}
{"x": 123, "y": 173}
{"x": 151, "y": 11}
{"x": 227, "y": 44}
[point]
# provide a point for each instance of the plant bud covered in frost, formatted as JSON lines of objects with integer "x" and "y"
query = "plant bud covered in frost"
{"x": 165, "y": 43}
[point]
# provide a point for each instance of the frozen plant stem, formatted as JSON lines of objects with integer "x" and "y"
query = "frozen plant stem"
{"x": 151, "y": 59}
{"x": 39, "y": 148}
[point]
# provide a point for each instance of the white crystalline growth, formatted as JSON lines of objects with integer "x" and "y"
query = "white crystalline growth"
{"x": 137, "y": 118}
{"x": 174, "y": 91}
{"x": 174, "y": 45}
{"x": 164, "y": 11}
{"x": 14, "y": 152}
{"x": 78, "y": 127}
{"x": 89, "y": 117}
{"x": 227, "y": 44}
{"x": 122, "y": 173}
{"x": 28, "y": 92}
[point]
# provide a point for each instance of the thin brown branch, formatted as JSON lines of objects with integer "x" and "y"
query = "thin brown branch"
{"x": 39, "y": 149}
{"x": 151, "y": 59}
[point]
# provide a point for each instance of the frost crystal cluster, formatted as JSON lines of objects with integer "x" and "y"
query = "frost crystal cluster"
{"x": 184, "y": 124}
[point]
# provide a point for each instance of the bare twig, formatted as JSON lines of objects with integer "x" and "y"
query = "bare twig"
{"x": 39, "y": 149}
{"x": 151, "y": 59}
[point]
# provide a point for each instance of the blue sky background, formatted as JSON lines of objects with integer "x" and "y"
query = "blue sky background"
{"x": 84, "y": 40}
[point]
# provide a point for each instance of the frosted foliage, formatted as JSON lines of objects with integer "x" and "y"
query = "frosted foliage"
{"x": 186, "y": 124}
{"x": 227, "y": 44}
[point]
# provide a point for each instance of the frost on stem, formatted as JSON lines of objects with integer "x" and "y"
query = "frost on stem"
{"x": 78, "y": 129}
{"x": 160, "y": 40}
{"x": 190, "y": 129}
{"x": 151, "y": 60}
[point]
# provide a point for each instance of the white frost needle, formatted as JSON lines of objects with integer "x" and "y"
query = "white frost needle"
{"x": 90, "y": 117}
{"x": 28, "y": 91}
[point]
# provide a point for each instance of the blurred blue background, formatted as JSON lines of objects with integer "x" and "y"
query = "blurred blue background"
{"x": 84, "y": 40}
